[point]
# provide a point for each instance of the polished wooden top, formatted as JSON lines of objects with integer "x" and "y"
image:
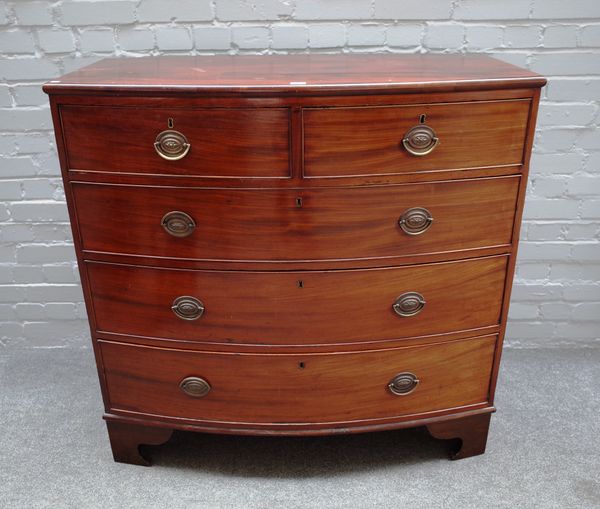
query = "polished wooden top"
{"x": 293, "y": 74}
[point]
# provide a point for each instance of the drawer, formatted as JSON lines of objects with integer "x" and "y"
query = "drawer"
{"x": 297, "y": 388}
{"x": 342, "y": 142}
{"x": 295, "y": 307}
{"x": 271, "y": 225}
{"x": 243, "y": 142}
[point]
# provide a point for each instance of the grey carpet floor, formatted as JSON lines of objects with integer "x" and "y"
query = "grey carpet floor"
{"x": 543, "y": 450}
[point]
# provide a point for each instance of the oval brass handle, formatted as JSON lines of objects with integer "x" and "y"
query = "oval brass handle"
{"x": 178, "y": 224}
{"x": 415, "y": 221}
{"x": 409, "y": 304}
{"x": 188, "y": 308}
{"x": 403, "y": 384}
{"x": 171, "y": 145}
{"x": 420, "y": 140}
{"x": 195, "y": 386}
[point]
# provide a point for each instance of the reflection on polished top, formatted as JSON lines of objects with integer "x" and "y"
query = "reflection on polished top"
{"x": 293, "y": 73}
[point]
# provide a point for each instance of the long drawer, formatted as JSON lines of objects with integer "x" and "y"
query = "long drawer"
{"x": 206, "y": 142}
{"x": 297, "y": 307}
{"x": 286, "y": 225}
{"x": 356, "y": 141}
{"x": 297, "y": 388}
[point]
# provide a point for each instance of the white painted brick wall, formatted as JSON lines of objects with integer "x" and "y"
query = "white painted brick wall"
{"x": 556, "y": 299}
{"x": 288, "y": 37}
{"x": 56, "y": 41}
{"x": 174, "y": 38}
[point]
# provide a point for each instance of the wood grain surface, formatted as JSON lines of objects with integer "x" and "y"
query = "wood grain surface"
{"x": 294, "y": 74}
{"x": 224, "y": 142}
{"x": 287, "y": 225}
{"x": 368, "y": 141}
{"x": 275, "y": 308}
{"x": 470, "y": 432}
{"x": 255, "y": 388}
{"x": 296, "y": 177}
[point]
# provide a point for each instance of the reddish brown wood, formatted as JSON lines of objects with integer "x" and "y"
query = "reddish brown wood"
{"x": 187, "y": 102}
{"x": 270, "y": 307}
{"x": 126, "y": 439}
{"x": 516, "y": 232}
{"x": 313, "y": 429}
{"x": 468, "y": 433}
{"x": 353, "y": 346}
{"x": 290, "y": 183}
{"x": 260, "y": 137}
{"x": 262, "y": 265}
{"x": 270, "y": 225}
{"x": 297, "y": 388}
{"x": 87, "y": 292}
{"x": 295, "y": 146}
{"x": 296, "y": 74}
{"x": 224, "y": 142}
{"x": 189, "y": 99}
{"x": 343, "y": 141}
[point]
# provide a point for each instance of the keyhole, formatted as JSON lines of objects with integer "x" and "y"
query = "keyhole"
{"x": 422, "y": 118}
{"x": 299, "y": 202}
{"x": 300, "y": 283}
{"x": 301, "y": 365}
{"x": 170, "y": 123}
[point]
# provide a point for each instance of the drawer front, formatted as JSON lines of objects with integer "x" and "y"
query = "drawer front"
{"x": 302, "y": 308}
{"x": 342, "y": 142}
{"x": 303, "y": 388}
{"x": 222, "y": 142}
{"x": 272, "y": 225}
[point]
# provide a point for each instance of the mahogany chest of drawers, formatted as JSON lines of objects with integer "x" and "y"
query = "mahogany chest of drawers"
{"x": 296, "y": 245}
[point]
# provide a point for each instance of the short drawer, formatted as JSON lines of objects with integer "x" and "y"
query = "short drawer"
{"x": 342, "y": 142}
{"x": 298, "y": 388}
{"x": 297, "y": 225}
{"x": 297, "y": 307}
{"x": 244, "y": 142}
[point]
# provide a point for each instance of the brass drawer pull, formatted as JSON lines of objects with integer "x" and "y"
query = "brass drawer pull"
{"x": 178, "y": 224}
{"x": 188, "y": 308}
{"x": 420, "y": 140}
{"x": 409, "y": 304}
{"x": 403, "y": 384}
{"x": 195, "y": 386}
{"x": 171, "y": 145}
{"x": 415, "y": 221}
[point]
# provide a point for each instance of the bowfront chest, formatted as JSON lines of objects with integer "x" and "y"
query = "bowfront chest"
{"x": 295, "y": 245}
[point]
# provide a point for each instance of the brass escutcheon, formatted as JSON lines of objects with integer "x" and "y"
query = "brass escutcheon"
{"x": 415, "y": 221}
{"x": 195, "y": 386}
{"x": 409, "y": 304}
{"x": 187, "y": 308}
{"x": 420, "y": 140}
{"x": 178, "y": 224}
{"x": 403, "y": 384}
{"x": 171, "y": 145}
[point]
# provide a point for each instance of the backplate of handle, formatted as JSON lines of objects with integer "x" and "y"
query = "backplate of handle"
{"x": 409, "y": 304}
{"x": 195, "y": 386}
{"x": 178, "y": 224}
{"x": 171, "y": 145}
{"x": 420, "y": 140}
{"x": 403, "y": 384}
{"x": 415, "y": 220}
{"x": 187, "y": 308}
